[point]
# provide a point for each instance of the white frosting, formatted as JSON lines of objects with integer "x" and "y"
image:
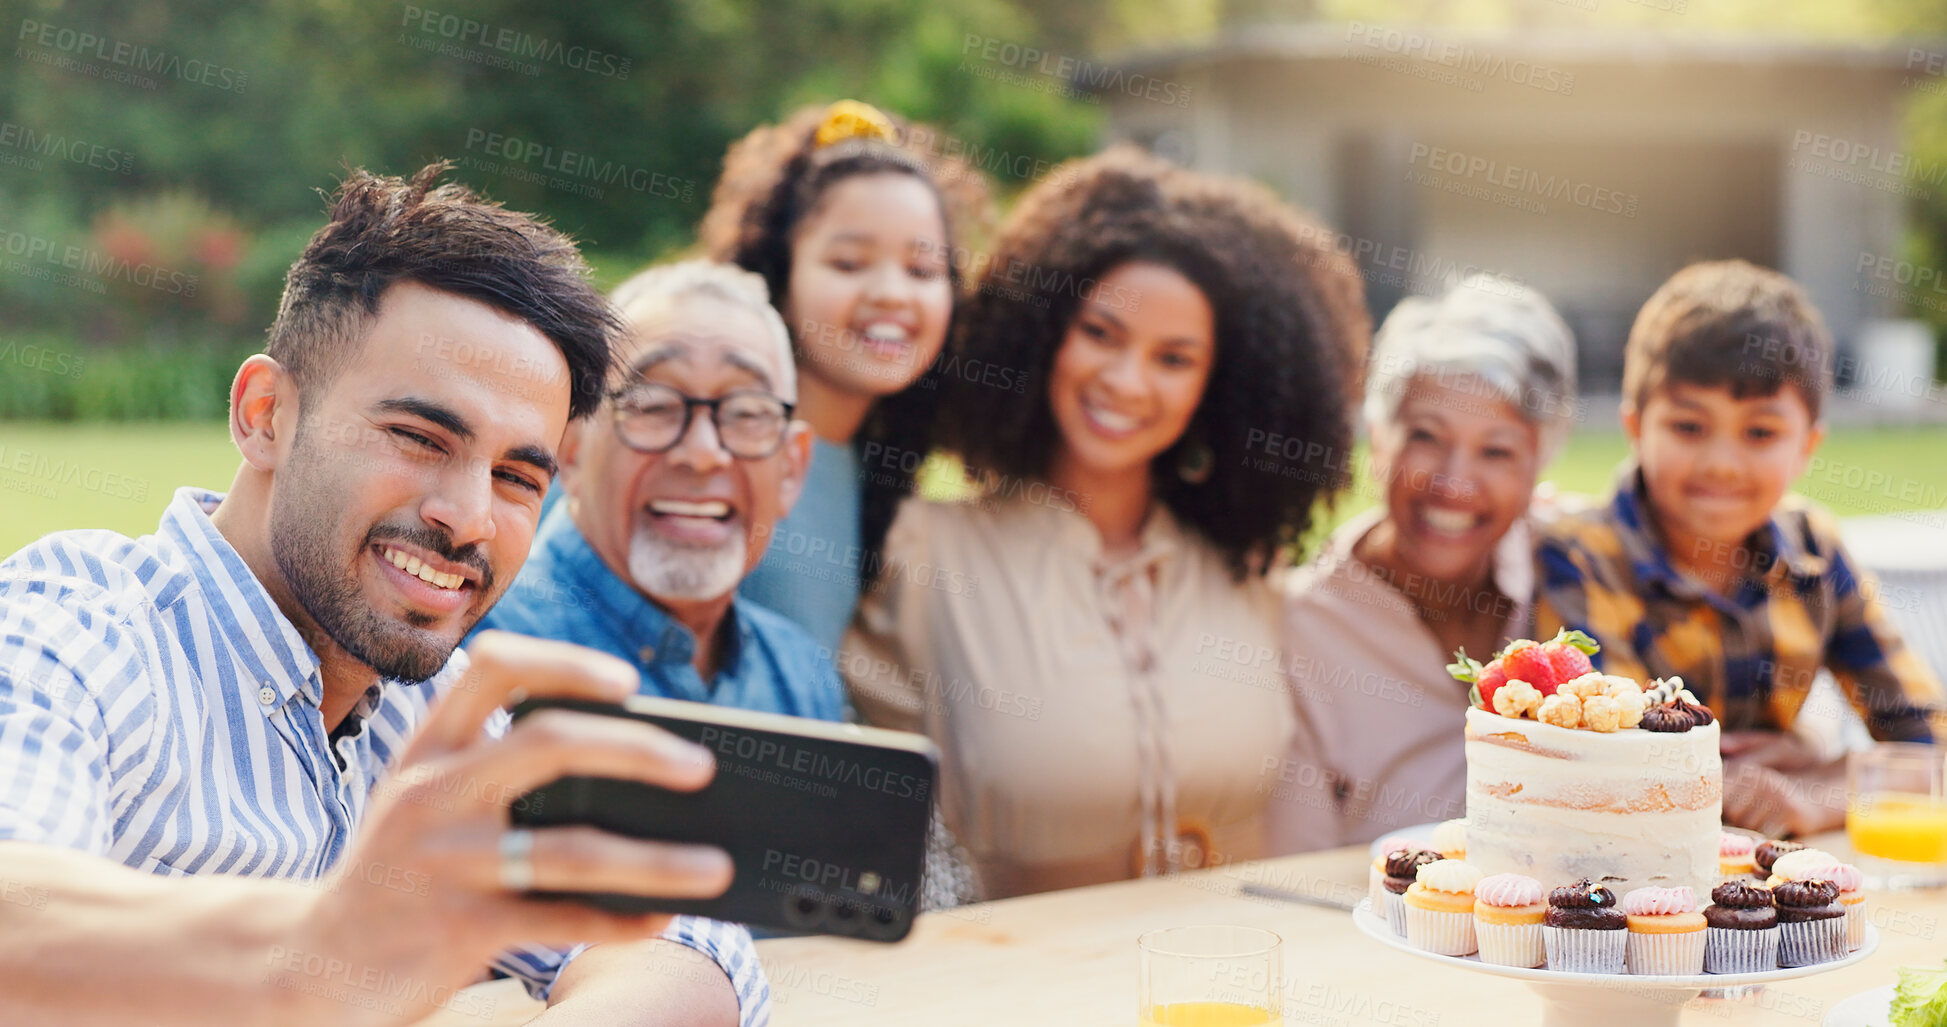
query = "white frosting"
{"x": 1450, "y": 875}
{"x": 1629, "y": 809}
{"x": 1450, "y": 836}
{"x": 1792, "y": 865}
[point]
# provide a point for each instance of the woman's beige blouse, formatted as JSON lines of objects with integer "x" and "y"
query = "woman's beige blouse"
{"x": 993, "y": 629}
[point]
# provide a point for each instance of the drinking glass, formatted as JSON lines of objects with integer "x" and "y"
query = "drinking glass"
{"x": 1211, "y": 976}
{"x": 1896, "y": 814}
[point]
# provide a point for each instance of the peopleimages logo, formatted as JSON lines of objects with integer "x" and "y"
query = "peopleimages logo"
{"x": 39, "y": 251}
{"x": 1456, "y": 57}
{"x": 514, "y": 42}
{"x": 1073, "y": 76}
{"x": 77, "y": 43}
{"x": 62, "y": 148}
{"x": 577, "y": 165}
{"x": 768, "y": 753}
{"x": 1523, "y": 184}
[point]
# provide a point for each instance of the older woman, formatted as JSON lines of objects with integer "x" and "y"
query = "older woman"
{"x": 1467, "y": 399}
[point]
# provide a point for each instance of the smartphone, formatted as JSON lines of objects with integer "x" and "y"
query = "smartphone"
{"x": 826, "y": 823}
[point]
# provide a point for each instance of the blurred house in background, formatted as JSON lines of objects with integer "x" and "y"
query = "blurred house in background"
{"x": 1590, "y": 166}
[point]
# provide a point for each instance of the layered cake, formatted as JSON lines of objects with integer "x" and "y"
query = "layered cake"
{"x": 1572, "y": 774}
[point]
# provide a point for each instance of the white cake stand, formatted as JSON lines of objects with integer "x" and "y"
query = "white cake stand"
{"x": 1608, "y": 1000}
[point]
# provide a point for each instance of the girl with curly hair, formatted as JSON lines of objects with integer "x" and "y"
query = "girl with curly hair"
{"x": 1091, "y": 642}
{"x": 852, "y": 221}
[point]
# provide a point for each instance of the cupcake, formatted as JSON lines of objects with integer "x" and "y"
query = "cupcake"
{"x": 1440, "y": 908}
{"x": 1376, "y": 876}
{"x": 1450, "y": 839}
{"x": 1794, "y": 865}
{"x": 1734, "y": 854}
{"x": 1852, "y": 899}
{"x": 1583, "y": 930}
{"x": 1508, "y": 909}
{"x": 1767, "y": 853}
{"x": 1811, "y": 923}
{"x": 1402, "y": 869}
{"x": 1816, "y": 864}
{"x": 1666, "y": 933}
{"x": 1741, "y": 929}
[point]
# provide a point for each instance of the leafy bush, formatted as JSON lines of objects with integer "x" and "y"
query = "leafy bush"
{"x": 49, "y": 379}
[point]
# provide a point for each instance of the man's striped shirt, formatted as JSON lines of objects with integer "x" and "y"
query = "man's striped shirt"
{"x": 159, "y": 710}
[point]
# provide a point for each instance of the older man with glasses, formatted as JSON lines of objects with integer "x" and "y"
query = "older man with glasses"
{"x": 672, "y": 491}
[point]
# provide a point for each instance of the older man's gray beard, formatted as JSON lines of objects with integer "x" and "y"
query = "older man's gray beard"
{"x": 672, "y": 570}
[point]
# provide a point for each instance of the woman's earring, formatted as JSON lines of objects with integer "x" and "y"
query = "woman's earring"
{"x": 1195, "y": 463}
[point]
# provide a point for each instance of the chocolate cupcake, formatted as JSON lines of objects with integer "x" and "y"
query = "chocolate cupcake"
{"x": 1402, "y": 869}
{"x": 1666, "y": 719}
{"x": 1675, "y": 716}
{"x": 1767, "y": 853}
{"x": 1811, "y": 922}
{"x": 1740, "y": 929}
{"x": 1583, "y": 930}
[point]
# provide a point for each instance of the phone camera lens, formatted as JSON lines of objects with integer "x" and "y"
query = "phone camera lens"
{"x": 803, "y": 909}
{"x": 886, "y": 923}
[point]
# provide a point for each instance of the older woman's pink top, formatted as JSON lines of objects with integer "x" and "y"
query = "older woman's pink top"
{"x": 1379, "y": 744}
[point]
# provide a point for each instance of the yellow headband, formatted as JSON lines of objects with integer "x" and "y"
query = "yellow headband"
{"x": 850, "y": 119}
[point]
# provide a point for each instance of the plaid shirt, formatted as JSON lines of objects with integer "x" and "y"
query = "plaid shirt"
{"x": 1751, "y": 655}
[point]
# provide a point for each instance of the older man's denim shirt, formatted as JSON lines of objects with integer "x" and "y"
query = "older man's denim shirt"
{"x": 566, "y": 592}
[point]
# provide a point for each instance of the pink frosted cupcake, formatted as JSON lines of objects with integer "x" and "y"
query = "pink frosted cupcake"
{"x": 1852, "y": 896}
{"x": 1666, "y": 933}
{"x": 1735, "y": 853}
{"x": 1508, "y": 910}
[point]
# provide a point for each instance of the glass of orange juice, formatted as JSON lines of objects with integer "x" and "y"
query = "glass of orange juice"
{"x": 1211, "y": 976}
{"x": 1896, "y": 813}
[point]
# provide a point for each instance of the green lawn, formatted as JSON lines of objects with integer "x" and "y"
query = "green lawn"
{"x": 120, "y": 476}
{"x": 1855, "y": 471}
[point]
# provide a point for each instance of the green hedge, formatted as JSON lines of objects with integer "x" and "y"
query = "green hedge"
{"x": 44, "y": 379}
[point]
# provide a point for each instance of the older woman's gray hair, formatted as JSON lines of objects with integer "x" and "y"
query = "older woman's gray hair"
{"x": 1490, "y": 334}
{"x": 729, "y": 283}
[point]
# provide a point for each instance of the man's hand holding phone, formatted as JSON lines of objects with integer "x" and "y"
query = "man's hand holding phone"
{"x": 432, "y": 886}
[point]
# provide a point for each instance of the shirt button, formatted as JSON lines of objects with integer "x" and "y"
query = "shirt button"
{"x": 267, "y": 695}
{"x": 646, "y": 654}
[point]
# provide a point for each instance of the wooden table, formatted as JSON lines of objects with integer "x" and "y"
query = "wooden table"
{"x": 1069, "y": 958}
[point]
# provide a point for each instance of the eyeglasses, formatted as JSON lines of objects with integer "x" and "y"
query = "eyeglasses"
{"x": 651, "y": 418}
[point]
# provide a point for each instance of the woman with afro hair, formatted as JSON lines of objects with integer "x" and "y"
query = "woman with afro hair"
{"x": 1091, "y": 641}
{"x": 851, "y": 216}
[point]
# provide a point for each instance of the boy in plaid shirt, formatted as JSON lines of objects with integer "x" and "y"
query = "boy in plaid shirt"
{"x": 1702, "y": 565}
